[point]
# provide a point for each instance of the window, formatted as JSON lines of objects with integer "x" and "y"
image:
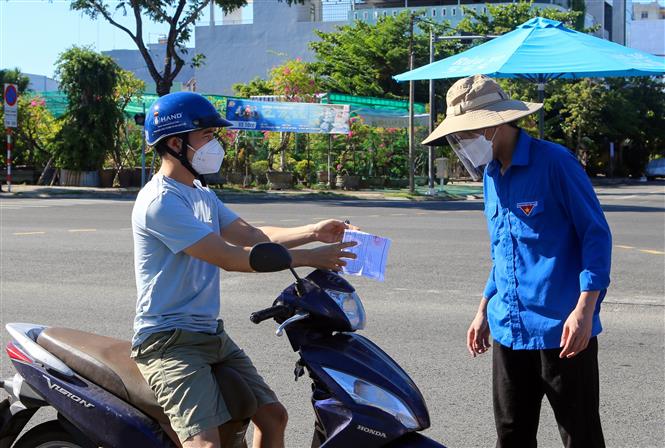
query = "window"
{"x": 394, "y": 13}
{"x": 355, "y": 15}
{"x": 484, "y": 10}
{"x": 454, "y": 11}
{"x": 434, "y": 13}
{"x": 443, "y": 12}
{"x": 376, "y": 15}
{"x": 645, "y": 15}
{"x": 365, "y": 15}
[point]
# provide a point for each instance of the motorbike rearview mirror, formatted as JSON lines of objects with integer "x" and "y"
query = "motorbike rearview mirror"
{"x": 273, "y": 257}
{"x": 269, "y": 257}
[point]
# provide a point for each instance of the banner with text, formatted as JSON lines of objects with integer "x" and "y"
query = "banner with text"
{"x": 305, "y": 118}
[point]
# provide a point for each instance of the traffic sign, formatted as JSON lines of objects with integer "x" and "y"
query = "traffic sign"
{"x": 11, "y": 105}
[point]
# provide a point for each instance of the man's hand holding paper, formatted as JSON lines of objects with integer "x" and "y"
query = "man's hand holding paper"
{"x": 371, "y": 254}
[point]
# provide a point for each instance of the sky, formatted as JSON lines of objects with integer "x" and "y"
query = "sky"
{"x": 34, "y": 32}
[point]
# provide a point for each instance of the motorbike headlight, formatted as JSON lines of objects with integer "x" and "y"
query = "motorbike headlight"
{"x": 351, "y": 305}
{"x": 369, "y": 394}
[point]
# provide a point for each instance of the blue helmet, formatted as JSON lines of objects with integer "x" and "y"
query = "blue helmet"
{"x": 180, "y": 112}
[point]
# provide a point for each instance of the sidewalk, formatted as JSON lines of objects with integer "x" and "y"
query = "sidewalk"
{"x": 455, "y": 192}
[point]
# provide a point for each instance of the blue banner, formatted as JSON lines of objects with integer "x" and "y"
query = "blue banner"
{"x": 305, "y": 118}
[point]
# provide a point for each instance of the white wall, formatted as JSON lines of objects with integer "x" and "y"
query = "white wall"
{"x": 648, "y": 35}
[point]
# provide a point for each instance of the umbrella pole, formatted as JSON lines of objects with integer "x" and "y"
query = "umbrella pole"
{"x": 541, "y": 112}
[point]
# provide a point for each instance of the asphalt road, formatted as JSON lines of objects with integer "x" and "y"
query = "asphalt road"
{"x": 68, "y": 262}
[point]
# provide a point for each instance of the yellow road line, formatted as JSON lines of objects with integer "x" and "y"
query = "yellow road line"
{"x": 653, "y": 252}
{"x": 81, "y": 230}
{"x": 646, "y": 251}
{"x": 29, "y": 233}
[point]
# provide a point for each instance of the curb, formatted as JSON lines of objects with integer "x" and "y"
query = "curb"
{"x": 291, "y": 195}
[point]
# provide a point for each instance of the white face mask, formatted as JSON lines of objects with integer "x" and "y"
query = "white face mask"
{"x": 208, "y": 158}
{"x": 478, "y": 150}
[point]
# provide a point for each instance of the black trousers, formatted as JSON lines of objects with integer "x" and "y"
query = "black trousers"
{"x": 520, "y": 378}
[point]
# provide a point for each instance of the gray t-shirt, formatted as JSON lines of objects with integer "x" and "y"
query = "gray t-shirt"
{"x": 175, "y": 290}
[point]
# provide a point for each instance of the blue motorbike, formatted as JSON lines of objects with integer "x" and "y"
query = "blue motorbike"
{"x": 361, "y": 396}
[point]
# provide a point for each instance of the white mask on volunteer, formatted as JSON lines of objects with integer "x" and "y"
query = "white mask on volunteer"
{"x": 478, "y": 150}
{"x": 474, "y": 152}
{"x": 208, "y": 158}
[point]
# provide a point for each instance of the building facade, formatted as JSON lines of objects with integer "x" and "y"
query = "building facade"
{"x": 247, "y": 46}
{"x": 647, "y": 28}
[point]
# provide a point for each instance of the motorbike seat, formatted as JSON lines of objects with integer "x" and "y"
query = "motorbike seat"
{"x": 105, "y": 361}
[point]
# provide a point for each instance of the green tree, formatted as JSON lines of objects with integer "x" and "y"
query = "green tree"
{"x": 502, "y": 18}
{"x": 180, "y": 17}
{"x": 362, "y": 58}
{"x": 90, "y": 125}
{"x": 128, "y": 139}
{"x": 634, "y": 118}
{"x": 255, "y": 87}
{"x": 34, "y": 136}
{"x": 13, "y": 76}
{"x": 294, "y": 81}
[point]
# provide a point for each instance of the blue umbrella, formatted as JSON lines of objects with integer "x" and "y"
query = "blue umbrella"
{"x": 539, "y": 50}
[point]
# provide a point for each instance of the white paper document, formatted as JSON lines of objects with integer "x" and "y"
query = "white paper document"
{"x": 372, "y": 254}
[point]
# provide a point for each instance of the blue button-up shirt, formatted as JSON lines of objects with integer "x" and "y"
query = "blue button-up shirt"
{"x": 549, "y": 241}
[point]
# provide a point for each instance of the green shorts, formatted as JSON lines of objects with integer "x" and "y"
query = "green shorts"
{"x": 177, "y": 366}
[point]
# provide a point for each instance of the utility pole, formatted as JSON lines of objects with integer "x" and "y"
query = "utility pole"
{"x": 412, "y": 187}
{"x": 432, "y": 117}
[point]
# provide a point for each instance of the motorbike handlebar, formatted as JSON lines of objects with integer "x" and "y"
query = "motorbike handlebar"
{"x": 259, "y": 316}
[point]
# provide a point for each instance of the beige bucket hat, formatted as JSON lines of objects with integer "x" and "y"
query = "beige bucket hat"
{"x": 478, "y": 102}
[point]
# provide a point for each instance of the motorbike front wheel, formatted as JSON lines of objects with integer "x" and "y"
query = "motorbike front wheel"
{"x": 47, "y": 435}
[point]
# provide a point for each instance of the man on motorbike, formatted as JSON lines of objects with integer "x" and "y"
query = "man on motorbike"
{"x": 551, "y": 251}
{"x": 182, "y": 234}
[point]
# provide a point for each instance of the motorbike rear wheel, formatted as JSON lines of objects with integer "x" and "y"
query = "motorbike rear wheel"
{"x": 47, "y": 435}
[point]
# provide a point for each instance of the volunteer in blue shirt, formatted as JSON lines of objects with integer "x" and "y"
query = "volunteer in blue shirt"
{"x": 551, "y": 248}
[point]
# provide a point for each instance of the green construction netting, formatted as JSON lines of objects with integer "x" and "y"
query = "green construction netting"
{"x": 368, "y": 102}
{"x": 56, "y": 103}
